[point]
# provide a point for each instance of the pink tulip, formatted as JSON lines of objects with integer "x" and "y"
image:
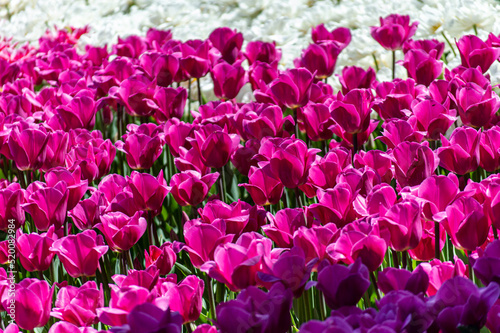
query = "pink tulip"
{"x": 357, "y": 78}
{"x": 380, "y": 199}
{"x": 189, "y": 188}
{"x": 378, "y": 161}
{"x": 11, "y": 199}
{"x": 476, "y": 105}
{"x": 352, "y": 111}
{"x": 422, "y": 66}
{"x": 260, "y": 74}
{"x": 80, "y": 253}
{"x": 33, "y": 249}
{"x": 426, "y": 45}
{"x": 87, "y": 212}
{"x": 341, "y": 36}
{"x": 317, "y": 121}
{"x": 133, "y": 93}
{"x": 474, "y": 52}
{"x": 439, "y": 272}
{"x": 121, "y": 231}
{"x": 33, "y": 302}
{"x": 397, "y": 131}
{"x": 169, "y": 103}
{"x": 67, "y": 327}
{"x": 334, "y": 206}
{"x": 195, "y": 57}
{"x": 176, "y": 132}
{"x": 433, "y": 117}
{"x": 140, "y": 278}
{"x": 395, "y": 98}
{"x": 292, "y": 88}
{"x": 162, "y": 257}
{"x": 283, "y": 225}
{"x": 76, "y": 187}
{"x": 55, "y": 150}
{"x": 228, "y": 80}
{"x": 263, "y": 187}
{"x": 148, "y": 191}
{"x": 315, "y": 240}
{"x": 262, "y": 51}
{"x": 461, "y": 153}
{"x": 319, "y": 59}
{"x": 228, "y": 42}
{"x": 142, "y": 146}
{"x": 79, "y": 305}
{"x": 413, "y": 162}
{"x": 78, "y": 113}
{"x": 161, "y": 67}
{"x": 489, "y": 155}
{"x": 185, "y": 297}
{"x": 394, "y": 31}
{"x": 27, "y": 147}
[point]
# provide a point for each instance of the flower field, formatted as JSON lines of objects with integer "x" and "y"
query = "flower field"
{"x": 221, "y": 183}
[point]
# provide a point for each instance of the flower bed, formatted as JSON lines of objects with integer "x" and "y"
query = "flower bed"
{"x": 133, "y": 202}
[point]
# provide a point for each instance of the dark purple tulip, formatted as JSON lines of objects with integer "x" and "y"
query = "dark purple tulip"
{"x": 357, "y": 78}
{"x": 228, "y": 42}
{"x": 341, "y": 36}
{"x": 460, "y": 302}
{"x": 319, "y": 59}
{"x": 331, "y": 324}
{"x": 401, "y": 279}
{"x": 148, "y": 318}
{"x": 474, "y": 52}
{"x": 262, "y": 51}
{"x": 228, "y": 80}
{"x": 487, "y": 266}
{"x": 292, "y": 88}
{"x": 257, "y": 311}
{"x": 394, "y": 31}
{"x": 461, "y": 153}
{"x": 422, "y": 66}
{"x": 343, "y": 286}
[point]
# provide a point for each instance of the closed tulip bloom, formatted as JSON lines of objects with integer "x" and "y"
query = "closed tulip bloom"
{"x": 48, "y": 206}
{"x": 395, "y": 97}
{"x": 315, "y": 240}
{"x": 357, "y": 78}
{"x": 33, "y": 300}
{"x": 190, "y": 188}
{"x": 426, "y": 45}
{"x": 465, "y": 223}
{"x": 75, "y": 185}
{"x": 148, "y": 191}
{"x": 476, "y": 105}
{"x": 162, "y": 257}
{"x": 169, "y": 103}
{"x": 176, "y": 132}
{"x": 27, "y": 147}
{"x": 474, "y": 52}
{"x": 78, "y": 113}
{"x": 80, "y": 253}
{"x": 195, "y": 57}
{"x": 263, "y": 186}
{"x": 319, "y": 59}
{"x": 343, "y": 286}
{"x": 291, "y": 161}
{"x": 133, "y": 93}
{"x": 161, "y": 67}
{"x": 262, "y": 51}
{"x": 228, "y": 80}
{"x": 292, "y": 88}
{"x": 334, "y": 205}
{"x": 401, "y": 279}
{"x": 185, "y": 297}
{"x": 433, "y": 118}
{"x": 121, "y": 231}
{"x": 11, "y": 199}
{"x": 55, "y": 150}
{"x": 215, "y": 145}
{"x": 33, "y": 249}
{"x": 202, "y": 239}
{"x": 141, "y": 149}
{"x": 79, "y": 305}
{"x": 487, "y": 267}
{"x": 352, "y": 111}
{"x": 397, "y": 131}
{"x": 317, "y": 121}
{"x": 426, "y": 249}
{"x": 404, "y": 225}
{"x": 255, "y": 310}
{"x": 341, "y": 36}
{"x": 260, "y": 74}
{"x": 228, "y": 42}
{"x": 461, "y": 153}
{"x": 422, "y": 66}
{"x": 489, "y": 155}
{"x": 394, "y": 31}
{"x": 87, "y": 212}
{"x": 413, "y": 162}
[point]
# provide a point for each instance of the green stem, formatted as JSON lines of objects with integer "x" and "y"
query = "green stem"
{"x": 200, "y": 100}
{"x": 448, "y": 42}
{"x": 393, "y": 64}
{"x": 395, "y": 259}
{"x": 376, "y": 62}
{"x": 375, "y": 285}
{"x": 211, "y": 297}
{"x": 437, "y": 250}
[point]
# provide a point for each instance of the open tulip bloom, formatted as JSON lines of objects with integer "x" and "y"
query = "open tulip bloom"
{"x": 135, "y": 200}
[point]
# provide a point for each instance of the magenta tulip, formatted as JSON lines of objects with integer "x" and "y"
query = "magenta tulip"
{"x": 292, "y": 88}
{"x": 33, "y": 249}
{"x": 474, "y": 52}
{"x": 189, "y": 188}
{"x": 121, "y": 231}
{"x": 461, "y": 153}
{"x": 394, "y": 31}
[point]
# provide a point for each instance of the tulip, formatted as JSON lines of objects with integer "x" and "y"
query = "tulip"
{"x": 267, "y": 120}
{"x": 169, "y": 103}
{"x": 228, "y": 42}
{"x": 261, "y": 74}
{"x": 317, "y": 121}
{"x": 176, "y": 133}
{"x": 141, "y": 149}
{"x": 356, "y": 78}
{"x": 319, "y": 59}
{"x": 486, "y": 267}
{"x": 130, "y": 47}
{"x": 476, "y": 105}
{"x": 185, "y": 297}
{"x": 457, "y": 302}
{"x": 123, "y": 302}
{"x": 162, "y": 257}
{"x": 189, "y": 188}
{"x": 292, "y": 88}
{"x": 11, "y": 199}
{"x": 401, "y": 279}
{"x": 257, "y": 311}
{"x": 242, "y": 158}
{"x": 394, "y": 31}
{"x": 404, "y": 225}
{"x": 76, "y": 187}
{"x": 195, "y": 58}
{"x": 121, "y": 231}
{"x": 433, "y": 118}
{"x": 78, "y": 113}
{"x": 436, "y": 193}
{"x": 87, "y": 212}
{"x": 228, "y": 80}
{"x": 133, "y": 93}
{"x": 352, "y": 111}
{"x": 262, "y": 51}
{"x": 55, "y": 150}
{"x": 324, "y": 171}
{"x": 283, "y": 225}
{"x": 343, "y": 286}
{"x": 334, "y": 324}
{"x": 160, "y": 67}
{"x": 341, "y": 36}
{"x": 440, "y": 272}
{"x": 493, "y": 318}
{"x": 334, "y": 205}
{"x": 315, "y": 240}
{"x": 426, "y": 45}
{"x": 378, "y": 161}
{"x": 426, "y": 249}
{"x": 394, "y": 98}
{"x": 33, "y": 249}
{"x": 380, "y": 199}
{"x": 474, "y": 52}
{"x": 397, "y": 131}
{"x": 413, "y": 162}
{"x": 215, "y": 145}
{"x": 148, "y": 318}
{"x": 461, "y": 153}
{"x": 140, "y": 278}
{"x": 205, "y": 328}
{"x": 148, "y": 191}
{"x": 79, "y": 305}
{"x": 33, "y": 302}
{"x": 47, "y": 206}
{"x": 27, "y": 147}
{"x": 422, "y": 66}
{"x": 80, "y": 253}
{"x": 66, "y": 327}
{"x": 263, "y": 187}
{"x": 489, "y": 156}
